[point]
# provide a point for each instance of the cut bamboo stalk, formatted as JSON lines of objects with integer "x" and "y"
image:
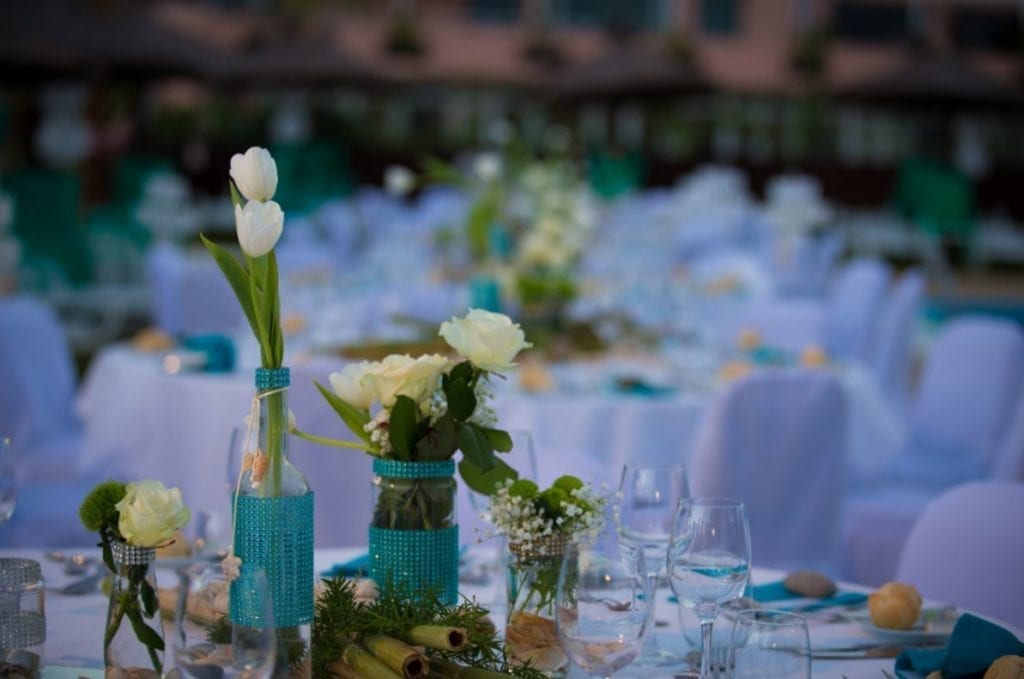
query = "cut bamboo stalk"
{"x": 397, "y": 655}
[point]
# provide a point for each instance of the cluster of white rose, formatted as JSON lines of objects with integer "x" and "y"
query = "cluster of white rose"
{"x": 559, "y": 216}
{"x": 260, "y": 221}
{"x": 488, "y": 340}
{"x": 528, "y": 518}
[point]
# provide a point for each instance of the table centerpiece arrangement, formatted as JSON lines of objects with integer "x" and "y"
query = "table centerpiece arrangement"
{"x": 272, "y": 513}
{"x": 133, "y": 520}
{"x": 412, "y": 415}
{"x": 539, "y": 526}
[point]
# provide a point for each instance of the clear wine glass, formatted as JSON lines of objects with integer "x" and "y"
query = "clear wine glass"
{"x": 648, "y": 498}
{"x": 770, "y": 644}
{"x": 709, "y": 560}
{"x": 603, "y": 604}
{"x": 206, "y": 641}
{"x": 8, "y": 483}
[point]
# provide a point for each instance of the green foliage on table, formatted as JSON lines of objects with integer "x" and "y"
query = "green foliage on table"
{"x": 341, "y": 620}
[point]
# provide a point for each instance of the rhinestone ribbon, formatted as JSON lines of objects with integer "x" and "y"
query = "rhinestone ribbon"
{"x": 417, "y": 559}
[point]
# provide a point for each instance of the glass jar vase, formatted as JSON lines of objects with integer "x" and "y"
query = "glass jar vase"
{"x": 414, "y": 536}
{"x": 532, "y": 586}
{"x": 273, "y": 519}
{"x": 22, "y": 617}
{"x": 133, "y": 640}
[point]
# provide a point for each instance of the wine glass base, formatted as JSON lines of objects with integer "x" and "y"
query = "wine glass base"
{"x": 658, "y": 657}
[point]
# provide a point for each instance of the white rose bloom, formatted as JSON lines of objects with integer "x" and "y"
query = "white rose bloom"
{"x": 399, "y": 181}
{"x": 488, "y": 340}
{"x": 259, "y": 226}
{"x": 487, "y": 166}
{"x": 255, "y": 174}
{"x": 348, "y": 385}
{"x": 150, "y": 513}
{"x": 402, "y": 375}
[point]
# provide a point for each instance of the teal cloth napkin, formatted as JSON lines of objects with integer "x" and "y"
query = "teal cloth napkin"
{"x": 776, "y": 591}
{"x": 357, "y": 567}
{"x": 219, "y": 351}
{"x": 972, "y": 647}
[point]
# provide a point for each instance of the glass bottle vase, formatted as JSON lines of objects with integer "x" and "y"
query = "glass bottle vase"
{"x": 414, "y": 537}
{"x": 273, "y": 512}
{"x": 532, "y": 585}
{"x": 133, "y": 641}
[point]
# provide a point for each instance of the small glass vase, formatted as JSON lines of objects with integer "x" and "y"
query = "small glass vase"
{"x": 133, "y": 642}
{"x": 274, "y": 526}
{"x": 414, "y": 537}
{"x": 532, "y": 585}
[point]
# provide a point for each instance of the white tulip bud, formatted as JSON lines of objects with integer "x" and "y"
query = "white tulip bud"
{"x": 259, "y": 226}
{"x": 255, "y": 174}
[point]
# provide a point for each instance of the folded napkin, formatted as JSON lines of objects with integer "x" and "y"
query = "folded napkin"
{"x": 218, "y": 349}
{"x": 356, "y": 568}
{"x": 972, "y": 647}
{"x": 638, "y": 387}
{"x": 776, "y": 591}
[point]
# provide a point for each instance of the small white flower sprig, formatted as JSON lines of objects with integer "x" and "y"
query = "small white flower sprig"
{"x": 426, "y": 408}
{"x": 527, "y": 516}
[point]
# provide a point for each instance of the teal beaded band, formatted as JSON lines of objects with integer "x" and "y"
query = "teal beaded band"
{"x": 396, "y": 469}
{"x": 420, "y": 560}
{"x": 276, "y": 534}
{"x": 272, "y": 378}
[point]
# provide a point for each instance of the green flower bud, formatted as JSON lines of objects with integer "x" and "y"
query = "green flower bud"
{"x": 567, "y": 484}
{"x": 524, "y": 488}
{"x": 551, "y": 502}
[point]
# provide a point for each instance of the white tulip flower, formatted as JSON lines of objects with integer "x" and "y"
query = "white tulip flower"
{"x": 259, "y": 226}
{"x": 255, "y": 174}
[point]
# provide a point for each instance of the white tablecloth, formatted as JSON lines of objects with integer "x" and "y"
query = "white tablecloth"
{"x": 74, "y": 623}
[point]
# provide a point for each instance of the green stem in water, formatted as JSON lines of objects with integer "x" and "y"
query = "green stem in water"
{"x": 336, "y": 443}
{"x": 275, "y": 427}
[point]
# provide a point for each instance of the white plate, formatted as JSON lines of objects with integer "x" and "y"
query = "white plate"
{"x": 932, "y": 632}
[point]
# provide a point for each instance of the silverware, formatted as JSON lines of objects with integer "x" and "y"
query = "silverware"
{"x": 85, "y": 585}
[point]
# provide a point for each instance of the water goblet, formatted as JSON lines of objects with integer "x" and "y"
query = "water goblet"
{"x": 603, "y": 610}
{"x": 208, "y": 643}
{"x": 648, "y": 497}
{"x": 771, "y": 644}
{"x": 709, "y": 560}
{"x": 8, "y": 485}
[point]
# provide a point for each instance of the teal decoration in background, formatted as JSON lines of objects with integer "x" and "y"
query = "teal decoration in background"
{"x": 485, "y": 293}
{"x": 499, "y": 244}
{"x": 218, "y": 349}
{"x": 276, "y": 534}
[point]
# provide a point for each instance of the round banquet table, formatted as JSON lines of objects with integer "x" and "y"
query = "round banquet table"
{"x": 141, "y": 421}
{"x": 74, "y": 623}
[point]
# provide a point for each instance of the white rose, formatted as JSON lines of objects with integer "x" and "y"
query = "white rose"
{"x": 150, "y": 513}
{"x": 488, "y": 340}
{"x": 255, "y": 174}
{"x": 259, "y": 226}
{"x": 402, "y": 375}
{"x": 398, "y": 180}
{"x": 348, "y": 385}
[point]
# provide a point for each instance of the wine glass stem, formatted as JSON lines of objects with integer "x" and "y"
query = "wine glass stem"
{"x": 705, "y": 646}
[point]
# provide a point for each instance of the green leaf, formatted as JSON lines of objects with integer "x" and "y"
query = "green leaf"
{"x": 236, "y": 195}
{"x": 461, "y": 399}
{"x": 257, "y": 272}
{"x": 439, "y": 172}
{"x": 402, "y": 427}
{"x": 238, "y": 279}
{"x": 150, "y": 602}
{"x": 478, "y": 224}
{"x": 475, "y": 446}
{"x": 463, "y": 371}
{"x": 269, "y": 309}
{"x": 272, "y": 284}
{"x": 439, "y": 442}
{"x": 486, "y": 483}
{"x": 499, "y": 440}
{"x": 354, "y": 418}
{"x": 144, "y": 632}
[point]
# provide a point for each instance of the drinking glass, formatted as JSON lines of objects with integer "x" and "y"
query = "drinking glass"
{"x": 648, "y": 497}
{"x": 709, "y": 560}
{"x": 603, "y": 604}
{"x": 770, "y": 644}
{"x": 8, "y": 486}
{"x": 206, "y": 642}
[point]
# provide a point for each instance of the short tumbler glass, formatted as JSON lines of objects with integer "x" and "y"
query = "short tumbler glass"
{"x": 22, "y": 616}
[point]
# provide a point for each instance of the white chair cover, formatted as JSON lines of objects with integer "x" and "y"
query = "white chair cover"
{"x": 777, "y": 441}
{"x": 968, "y": 548}
{"x": 38, "y": 383}
{"x": 1008, "y": 462}
{"x": 962, "y": 410}
{"x": 891, "y": 353}
{"x": 852, "y": 310}
{"x": 190, "y": 294}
